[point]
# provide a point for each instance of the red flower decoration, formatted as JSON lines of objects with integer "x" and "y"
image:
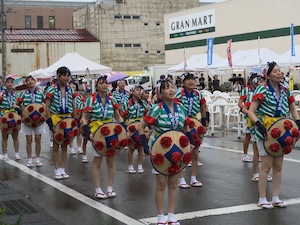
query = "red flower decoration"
{"x": 34, "y": 124}
{"x": 118, "y": 129}
{"x": 197, "y": 142}
{"x": 27, "y": 120}
{"x": 99, "y": 145}
{"x": 74, "y": 123}
{"x": 288, "y": 125}
{"x": 30, "y": 108}
{"x": 184, "y": 141}
{"x": 137, "y": 138}
{"x": 19, "y": 122}
{"x": 3, "y": 120}
{"x": 123, "y": 143}
{"x": 66, "y": 142}
{"x": 104, "y": 130}
{"x": 110, "y": 153}
{"x": 62, "y": 125}
{"x": 158, "y": 159}
{"x": 201, "y": 130}
{"x": 275, "y": 132}
{"x": 275, "y": 147}
{"x": 35, "y": 118}
{"x": 76, "y": 132}
{"x": 295, "y": 132}
{"x": 10, "y": 115}
{"x": 132, "y": 129}
{"x": 287, "y": 149}
{"x": 70, "y": 135}
{"x": 166, "y": 142}
{"x": 187, "y": 157}
{"x": 130, "y": 141}
{"x": 137, "y": 145}
{"x": 4, "y": 129}
{"x": 15, "y": 130}
{"x": 174, "y": 169}
{"x": 114, "y": 143}
{"x": 59, "y": 137}
{"x": 176, "y": 157}
{"x": 192, "y": 124}
{"x": 42, "y": 119}
{"x": 194, "y": 136}
{"x": 10, "y": 124}
{"x": 41, "y": 109}
{"x": 288, "y": 140}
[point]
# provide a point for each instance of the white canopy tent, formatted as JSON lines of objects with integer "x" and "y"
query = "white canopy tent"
{"x": 197, "y": 62}
{"x": 77, "y": 64}
{"x": 287, "y": 60}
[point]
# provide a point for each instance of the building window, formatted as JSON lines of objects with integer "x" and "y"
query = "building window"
{"x": 135, "y": 17}
{"x": 146, "y": 24}
{"x": 118, "y": 17}
{"x": 136, "y": 45}
{"x": 22, "y": 50}
{"x": 127, "y": 45}
{"x": 119, "y": 45}
{"x": 51, "y": 22}
{"x": 146, "y": 52}
{"x": 127, "y": 17}
{"x": 158, "y": 52}
{"x": 27, "y": 22}
{"x": 40, "y": 23}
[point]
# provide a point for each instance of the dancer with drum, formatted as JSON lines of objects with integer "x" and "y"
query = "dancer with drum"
{"x": 33, "y": 116}
{"x": 10, "y": 120}
{"x": 167, "y": 116}
{"x": 100, "y": 109}
{"x": 193, "y": 102}
{"x": 121, "y": 95}
{"x": 61, "y": 110}
{"x": 79, "y": 107}
{"x": 133, "y": 110}
{"x": 275, "y": 134}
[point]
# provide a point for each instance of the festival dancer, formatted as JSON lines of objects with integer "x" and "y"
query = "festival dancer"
{"x": 7, "y": 100}
{"x": 29, "y": 96}
{"x": 270, "y": 103}
{"x": 165, "y": 116}
{"x": 79, "y": 107}
{"x": 87, "y": 94}
{"x": 193, "y": 102}
{"x": 100, "y": 109}
{"x": 60, "y": 104}
{"x": 133, "y": 110}
{"x": 121, "y": 95}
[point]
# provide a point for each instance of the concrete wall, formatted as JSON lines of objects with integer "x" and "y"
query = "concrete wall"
{"x": 148, "y": 30}
{"x": 45, "y": 54}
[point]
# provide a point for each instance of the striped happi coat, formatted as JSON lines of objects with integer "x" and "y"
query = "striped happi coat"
{"x": 25, "y": 97}
{"x": 4, "y": 101}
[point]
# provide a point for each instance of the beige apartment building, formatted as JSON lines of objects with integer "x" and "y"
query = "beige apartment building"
{"x": 131, "y": 32}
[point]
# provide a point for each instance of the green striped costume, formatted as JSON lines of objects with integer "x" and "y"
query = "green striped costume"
{"x": 7, "y": 102}
{"x": 132, "y": 110}
{"x": 26, "y": 97}
{"x": 158, "y": 117}
{"x": 120, "y": 97}
{"x": 78, "y": 101}
{"x": 268, "y": 106}
{"x": 244, "y": 95}
{"x": 192, "y": 107}
{"x": 97, "y": 111}
{"x": 247, "y": 104}
{"x": 53, "y": 92}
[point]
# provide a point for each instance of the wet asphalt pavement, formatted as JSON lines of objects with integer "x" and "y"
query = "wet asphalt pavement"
{"x": 228, "y": 195}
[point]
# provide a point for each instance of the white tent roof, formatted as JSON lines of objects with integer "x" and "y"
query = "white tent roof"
{"x": 197, "y": 62}
{"x": 77, "y": 64}
{"x": 287, "y": 60}
{"x": 250, "y": 58}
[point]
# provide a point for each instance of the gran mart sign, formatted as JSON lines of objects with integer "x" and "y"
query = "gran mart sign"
{"x": 197, "y": 23}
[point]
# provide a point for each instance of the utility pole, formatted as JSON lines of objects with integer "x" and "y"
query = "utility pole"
{"x": 3, "y": 41}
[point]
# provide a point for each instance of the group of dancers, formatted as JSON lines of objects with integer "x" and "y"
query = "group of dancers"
{"x": 104, "y": 117}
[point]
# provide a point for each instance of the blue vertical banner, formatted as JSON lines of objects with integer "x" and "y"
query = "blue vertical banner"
{"x": 293, "y": 53}
{"x": 210, "y": 46}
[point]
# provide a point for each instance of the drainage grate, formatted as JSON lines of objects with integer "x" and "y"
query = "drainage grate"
{"x": 16, "y": 207}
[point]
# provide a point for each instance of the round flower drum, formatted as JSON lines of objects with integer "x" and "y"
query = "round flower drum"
{"x": 197, "y": 131}
{"x": 10, "y": 123}
{"x": 281, "y": 137}
{"x": 110, "y": 139}
{"x": 134, "y": 137}
{"x": 33, "y": 115}
{"x": 65, "y": 131}
{"x": 171, "y": 152}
